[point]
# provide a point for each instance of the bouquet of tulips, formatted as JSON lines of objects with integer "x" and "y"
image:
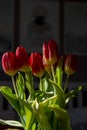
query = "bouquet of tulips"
{"x": 43, "y": 108}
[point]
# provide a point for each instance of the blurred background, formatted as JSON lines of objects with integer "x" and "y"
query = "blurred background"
{"x": 29, "y": 23}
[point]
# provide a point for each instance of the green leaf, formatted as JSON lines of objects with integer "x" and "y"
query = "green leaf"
{"x": 47, "y": 86}
{"x": 29, "y": 118}
{"x": 40, "y": 95}
{"x": 41, "y": 116}
{"x": 59, "y": 72}
{"x": 49, "y": 101}
{"x": 20, "y": 86}
{"x": 29, "y": 78}
{"x": 58, "y": 89}
{"x": 29, "y": 88}
{"x": 60, "y": 94}
{"x": 13, "y": 100}
{"x": 60, "y": 113}
{"x": 11, "y": 123}
{"x": 29, "y": 83}
{"x": 63, "y": 117}
{"x": 72, "y": 93}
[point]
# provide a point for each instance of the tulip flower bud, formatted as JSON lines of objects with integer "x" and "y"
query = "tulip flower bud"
{"x": 70, "y": 65}
{"x": 50, "y": 52}
{"x": 23, "y": 59}
{"x": 36, "y": 64}
{"x": 9, "y": 63}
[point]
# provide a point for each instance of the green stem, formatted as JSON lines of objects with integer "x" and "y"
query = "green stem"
{"x": 60, "y": 76}
{"x": 53, "y": 75}
{"x": 66, "y": 83}
{"x": 41, "y": 86}
{"x": 14, "y": 85}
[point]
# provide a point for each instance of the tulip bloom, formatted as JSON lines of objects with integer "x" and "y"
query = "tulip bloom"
{"x": 9, "y": 63}
{"x": 70, "y": 65}
{"x": 36, "y": 64}
{"x": 23, "y": 59}
{"x": 50, "y": 52}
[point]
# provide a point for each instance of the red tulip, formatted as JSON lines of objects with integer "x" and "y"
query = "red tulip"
{"x": 23, "y": 59}
{"x": 36, "y": 64}
{"x": 50, "y": 52}
{"x": 70, "y": 65}
{"x": 9, "y": 63}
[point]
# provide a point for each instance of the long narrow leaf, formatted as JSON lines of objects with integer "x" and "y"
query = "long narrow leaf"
{"x": 12, "y": 99}
{"x": 63, "y": 117}
{"x": 11, "y": 123}
{"x": 59, "y": 93}
{"x": 72, "y": 93}
{"x": 41, "y": 116}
